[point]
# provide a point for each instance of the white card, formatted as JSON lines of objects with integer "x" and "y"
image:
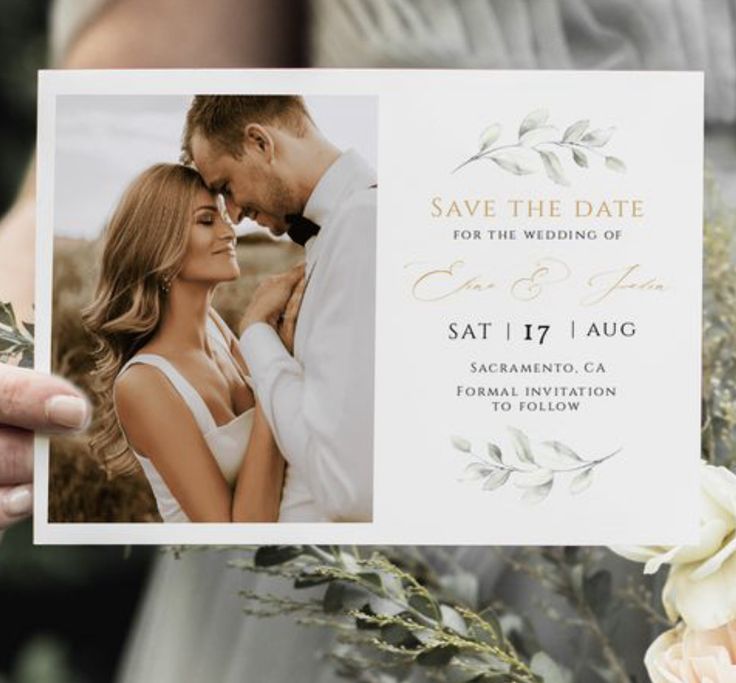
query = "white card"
{"x": 537, "y": 302}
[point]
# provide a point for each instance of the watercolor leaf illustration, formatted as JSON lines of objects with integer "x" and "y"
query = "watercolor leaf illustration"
{"x": 535, "y": 471}
{"x": 539, "y": 146}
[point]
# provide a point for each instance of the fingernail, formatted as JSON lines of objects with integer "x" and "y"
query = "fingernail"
{"x": 18, "y": 502}
{"x": 67, "y": 411}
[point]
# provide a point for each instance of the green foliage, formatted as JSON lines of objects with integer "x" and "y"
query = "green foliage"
{"x": 16, "y": 339}
{"x": 719, "y": 332}
{"x": 537, "y": 137}
{"x": 543, "y": 665}
{"x": 385, "y": 618}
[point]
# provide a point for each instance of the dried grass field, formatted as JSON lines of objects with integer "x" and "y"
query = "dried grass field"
{"x": 79, "y": 490}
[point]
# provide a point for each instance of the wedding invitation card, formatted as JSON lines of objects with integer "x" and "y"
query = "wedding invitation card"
{"x": 494, "y": 337}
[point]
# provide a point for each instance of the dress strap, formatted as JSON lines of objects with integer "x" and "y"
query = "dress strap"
{"x": 188, "y": 393}
{"x": 216, "y": 333}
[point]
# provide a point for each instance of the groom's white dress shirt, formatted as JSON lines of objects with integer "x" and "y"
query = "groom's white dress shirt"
{"x": 319, "y": 403}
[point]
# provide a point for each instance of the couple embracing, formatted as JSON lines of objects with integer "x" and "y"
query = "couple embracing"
{"x": 276, "y": 425}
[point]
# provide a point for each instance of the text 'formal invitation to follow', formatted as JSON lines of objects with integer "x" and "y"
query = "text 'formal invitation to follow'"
{"x": 373, "y": 307}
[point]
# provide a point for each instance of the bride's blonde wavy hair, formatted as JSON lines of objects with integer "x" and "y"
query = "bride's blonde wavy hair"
{"x": 144, "y": 245}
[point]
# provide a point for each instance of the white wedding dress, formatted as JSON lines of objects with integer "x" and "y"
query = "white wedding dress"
{"x": 227, "y": 442}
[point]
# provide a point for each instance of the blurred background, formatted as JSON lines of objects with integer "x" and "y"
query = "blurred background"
{"x": 68, "y": 612}
{"x": 23, "y": 47}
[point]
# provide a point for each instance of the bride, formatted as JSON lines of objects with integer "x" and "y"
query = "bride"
{"x": 176, "y": 397}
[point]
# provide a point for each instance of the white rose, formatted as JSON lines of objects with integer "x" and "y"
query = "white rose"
{"x": 701, "y": 587}
{"x": 686, "y": 656}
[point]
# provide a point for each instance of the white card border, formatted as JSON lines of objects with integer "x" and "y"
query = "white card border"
{"x": 272, "y": 81}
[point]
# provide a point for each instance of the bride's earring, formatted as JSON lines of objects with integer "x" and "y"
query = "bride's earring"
{"x": 165, "y": 285}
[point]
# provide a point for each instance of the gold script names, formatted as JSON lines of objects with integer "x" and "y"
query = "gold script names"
{"x": 450, "y": 281}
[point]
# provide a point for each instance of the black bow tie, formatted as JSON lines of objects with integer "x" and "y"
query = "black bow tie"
{"x": 300, "y": 228}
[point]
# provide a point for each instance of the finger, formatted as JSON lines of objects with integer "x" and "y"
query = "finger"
{"x": 301, "y": 285}
{"x": 35, "y": 401}
{"x": 288, "y": 279}
{"x": 295, "y": 302}
{"x": 298, "y": 282}
{"x": 288, "y": 322}
{"x": 291, "y": 310}
{"x": 286, "y": 333}
{"x": 286, "y": 285}
{"x": 296, "y": 273}
{"x": 16, "y": 456}
{"x": 16, "y": 502}
{"x": 299, "y": 289}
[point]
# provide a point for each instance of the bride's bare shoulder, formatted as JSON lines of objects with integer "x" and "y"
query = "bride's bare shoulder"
{"x": 138, "y": 387}
{"x": 151, "y": 414}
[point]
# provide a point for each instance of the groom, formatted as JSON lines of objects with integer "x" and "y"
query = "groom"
{"x": 265, "y": 155}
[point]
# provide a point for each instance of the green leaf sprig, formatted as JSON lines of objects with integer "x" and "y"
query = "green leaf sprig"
{"x": 16, "y": 339}
{"x": 385, "y": 618}
{"x": 537, "y": 140}
{"x": 533, "y": 472}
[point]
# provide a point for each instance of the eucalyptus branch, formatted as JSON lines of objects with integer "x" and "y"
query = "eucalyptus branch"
{"x": 639, "y": 598}
{"x": 609, "y": 652}
{"x": 524, "y": 156}
{"x": 574, "y": 575}
{"x": 580, "y": 588}
{"x": 483, "y": 154}
{"x": 534, "y": 571}
{"x": 574, "y": 145}
{"x": 533, "y": 470}
{"x": 362, "y": 668}
{"x": 385, "y": 612}
{"x": 560, "y": 470}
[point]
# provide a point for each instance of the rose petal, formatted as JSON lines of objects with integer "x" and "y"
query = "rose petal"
{"x": 704, "y": 604}
{"x": 662, "y": 662}
{"x": 712, "y": 534}
{"x": 683, "y": 655}
{"x": 714, "y": 563}
{"x": 719, "y": 484}
{"x": 638, "y": 553}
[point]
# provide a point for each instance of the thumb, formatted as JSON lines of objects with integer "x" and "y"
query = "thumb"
{"x": 40, "y": 402}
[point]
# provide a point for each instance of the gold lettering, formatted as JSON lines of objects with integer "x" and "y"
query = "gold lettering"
{"x": 549, "y": 271}
{"x": 610, "y": 281}
{"x": 436, "y": 208}
{"x": 442, "y": 283}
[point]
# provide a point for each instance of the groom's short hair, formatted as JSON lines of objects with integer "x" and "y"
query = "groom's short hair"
{"x": 222, "y": 119}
